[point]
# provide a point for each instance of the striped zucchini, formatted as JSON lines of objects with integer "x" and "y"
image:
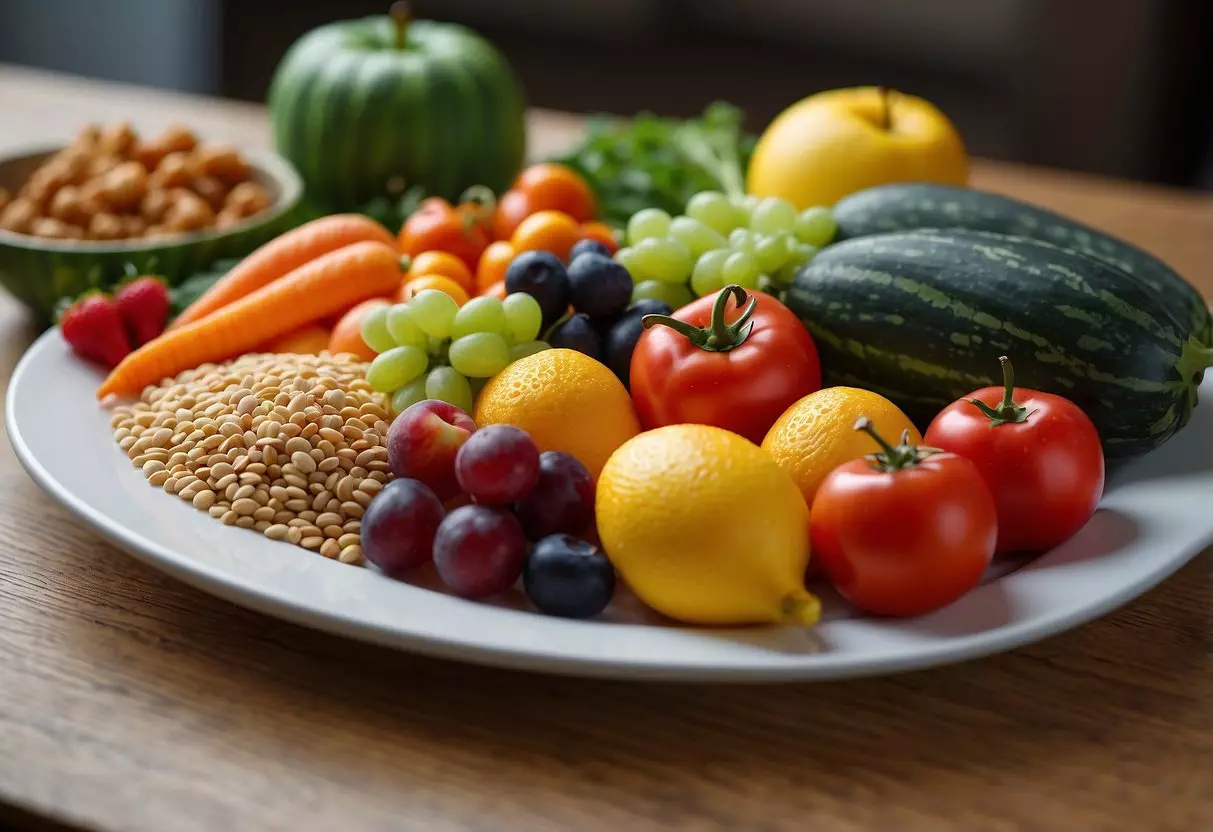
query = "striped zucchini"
{"x": 909, "y": 207}
{"x": 922, "y": 316}
{"x": 364, "y": 115}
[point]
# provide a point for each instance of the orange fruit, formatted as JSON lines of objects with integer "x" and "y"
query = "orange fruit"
{"x": 512, "y": 208}
{"x": 440, "y": 282}
{"x": 497, "y": 290}
{"x": 308, "y": 340}
{"x": 817, "y": 434}
{"x": 551, "y": 186}
{"x": 566, "y": 401}
{"x": 600, "y": 232}
{"x": 547, "y": 231}
{"x": 347, "y": 333}
{"x": 444, "y": 263}
{"x": 493, "y": 263}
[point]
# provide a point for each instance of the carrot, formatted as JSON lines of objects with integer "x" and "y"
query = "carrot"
{"x": 331, "y": 282}
{"x": 282, "y": 255}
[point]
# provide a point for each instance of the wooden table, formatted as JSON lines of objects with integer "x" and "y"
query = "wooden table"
{"x": 129, "y": 701}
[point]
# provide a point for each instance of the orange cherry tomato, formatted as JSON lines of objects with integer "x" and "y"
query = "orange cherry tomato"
{"x": 445, "y": 264}
{"x": 552, "y": 231}
{"x": 553, "y": 187}
{"x": 600, "y": 232}
{"x": 307, "y": 340}
{"x": 513, "y": 207}
{"x": 437, "y": 226}
{"x": 497, "y": 290}
{"x": 431, "y": 281}
{"x": 347, "y": 334}
{"x": 493, "y": 263}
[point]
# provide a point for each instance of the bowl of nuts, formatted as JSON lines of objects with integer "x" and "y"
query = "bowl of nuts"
{"x": 82, "y": 216}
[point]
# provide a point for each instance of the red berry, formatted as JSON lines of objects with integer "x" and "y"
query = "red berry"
{"x": 479, "y": 551}
{"x": 144, "y": 305}
{"x": 498, "y": 465}
{"x": 93, "y": 327}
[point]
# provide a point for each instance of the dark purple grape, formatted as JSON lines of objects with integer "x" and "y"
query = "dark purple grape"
{"x": 561, "y": 501}
{"x": 620, "y": 342}
{"x": 577, "y": 333}
{"x": 588, "y": 246}
{"x": 542, "y": 276}
{"x": 479, "y": 551}
{"x": 498, "y": 465}
{"x": 399, "y": 526}
{"x": 599, "y": 286}
{"x": 568, "y": 577}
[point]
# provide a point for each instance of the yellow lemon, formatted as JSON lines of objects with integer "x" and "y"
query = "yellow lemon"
{"x": 835, "y": 143}
{"x": 817, "y": 434}
{"x": 706, "y": 528}
{"x": 566, "y": 401}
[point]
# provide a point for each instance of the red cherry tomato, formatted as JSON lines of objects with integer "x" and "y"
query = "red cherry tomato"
{"x": 438, "y": 226}
{"x": 736, "y": 369}
{"x": 1038, "y": 453}
{"x": 905, "y": 531}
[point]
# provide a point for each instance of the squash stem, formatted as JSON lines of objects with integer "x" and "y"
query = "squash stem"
{"x": 886, "y": 118}
{"x": 401, "y": 16}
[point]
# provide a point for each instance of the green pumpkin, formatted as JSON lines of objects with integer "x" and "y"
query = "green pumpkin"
{"x": 368, "y": 108}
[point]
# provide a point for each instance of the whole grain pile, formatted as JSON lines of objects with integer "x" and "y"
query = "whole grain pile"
{"x": 292, "y": 446}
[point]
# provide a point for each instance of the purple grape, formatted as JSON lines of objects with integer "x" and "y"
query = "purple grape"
{"x": 399, "y": 526}
{"x": 479, "y": 551}
{"x": 562, "y": 501}
{"x": 497, "y": 465}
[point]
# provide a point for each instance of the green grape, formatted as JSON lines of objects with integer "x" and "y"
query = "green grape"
{"x": 446, "y": 384}
{"x": 408, "y": 395}
{"x": 660, "y": 258}
{"x": 480, "y": 355}
{"x": 803, "y": 253}
{"x": 816, "y": 226}
{"x": 395, "y": 368}
{"x": 788, "y": 273}
{"x": 626, "y": 257}
{"x": 742, "y": 239}
{"x": 696, "y": 236}
{"x": 743, "y": 207}
{"x": 770, "y": 253}
{"x": 767, "y": 284}
{"x": 403, "y": 329}
{"x": 374, "y": 330}
{"x": 706, "y": 277}
{"x": 523, "y": 316}
{"x": 434, "y": 312}
{"x": 527, "y": 348}
{"x": 647, "y": 223}
{"x": 714, "y": 210}
{"x": 677, "y": 295}
{"x": 482, "y": 314}
{"x": 772, "y": 215}
{"x": 741, "y": 269}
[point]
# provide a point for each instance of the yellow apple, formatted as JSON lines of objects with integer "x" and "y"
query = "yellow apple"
{"x": 838, "y": 142}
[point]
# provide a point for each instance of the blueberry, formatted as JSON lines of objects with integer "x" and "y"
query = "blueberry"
{"x": 600, "y": 287}
{"x": 621, "y": 341}
{"x": 587, "y": 247}
{"x": 542, "y": 276}
{"x": 577, "y": 333}
{"x": 568, "y": 577}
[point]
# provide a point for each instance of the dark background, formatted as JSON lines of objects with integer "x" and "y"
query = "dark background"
{"x": 1120, "y": 87}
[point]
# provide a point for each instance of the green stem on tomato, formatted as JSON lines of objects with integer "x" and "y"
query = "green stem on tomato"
{"x": 1007, "y": 412}
{"x": 718, "y": 335}
{"x": 892, "y": 458}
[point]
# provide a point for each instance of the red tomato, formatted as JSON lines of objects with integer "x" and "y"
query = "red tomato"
{"x": 513, "y": 207}
{"x": 738, "y": 370}
{"x": 437, "y": 226}
{"x": 904, "y": 532}
{"x": 1039, "y": 454}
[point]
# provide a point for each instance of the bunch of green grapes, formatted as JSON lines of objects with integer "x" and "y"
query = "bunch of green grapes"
{"x": 754, "y": 243}
{"x": 431, "y": 348}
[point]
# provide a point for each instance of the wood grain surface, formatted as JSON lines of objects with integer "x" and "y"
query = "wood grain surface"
{"x": 131, "y": 702}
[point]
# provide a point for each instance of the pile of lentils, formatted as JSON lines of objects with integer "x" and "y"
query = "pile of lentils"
{"x": 292, "y": 446}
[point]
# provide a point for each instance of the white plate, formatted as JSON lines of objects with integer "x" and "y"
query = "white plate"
{"x": 1158, "y": 513}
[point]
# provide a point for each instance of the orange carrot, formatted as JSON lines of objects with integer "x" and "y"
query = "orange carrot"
{"x": 282, "y": 255}
{"x": 331, "y": 282}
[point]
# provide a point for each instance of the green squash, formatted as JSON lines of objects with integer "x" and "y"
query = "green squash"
{"x": 368, "y": 108}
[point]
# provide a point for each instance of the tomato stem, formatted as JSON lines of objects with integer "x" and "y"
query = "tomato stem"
{"x": 401, "y": 16}
{"x": 893, "y": 458}
{"x": 719, "y": 335}
{"x": 1007, "y": 412}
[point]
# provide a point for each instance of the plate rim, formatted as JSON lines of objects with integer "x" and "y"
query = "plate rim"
{"x": 241, "y": 591}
